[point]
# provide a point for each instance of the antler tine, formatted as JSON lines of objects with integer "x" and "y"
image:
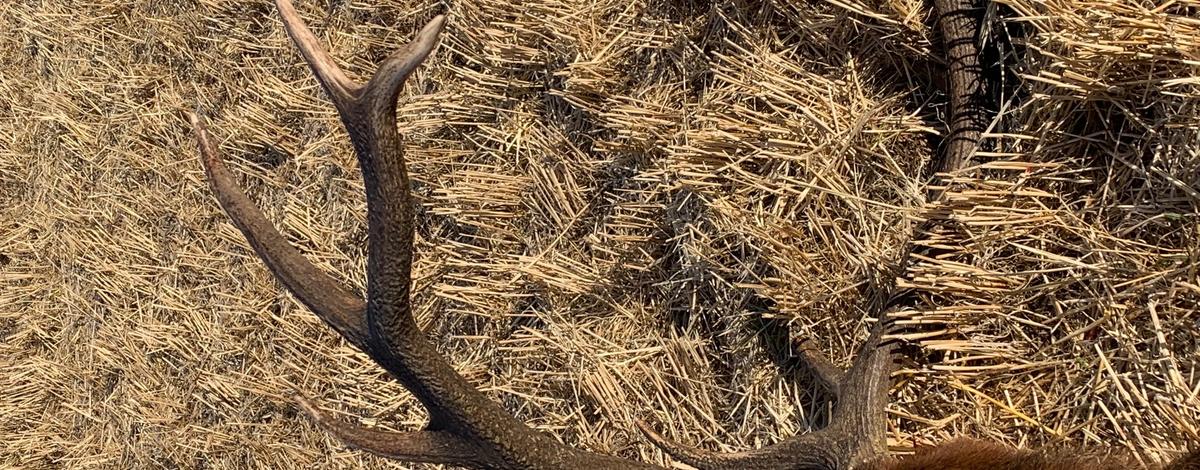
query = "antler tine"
{"x": 329, "y": 299}
{"x": 394, "y": 70}
{"x": 340, "y": 87}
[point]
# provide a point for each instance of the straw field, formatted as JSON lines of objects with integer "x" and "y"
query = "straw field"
{"x": 628, "y": 210}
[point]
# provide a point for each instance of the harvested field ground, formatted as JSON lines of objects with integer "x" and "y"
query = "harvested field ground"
{"x": 628, "y": 210}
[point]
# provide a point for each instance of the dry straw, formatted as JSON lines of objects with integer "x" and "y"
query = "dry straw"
{"x": 629, "y": 210}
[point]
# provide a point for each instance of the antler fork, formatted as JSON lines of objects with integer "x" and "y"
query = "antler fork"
{"x": 465, "y": 427}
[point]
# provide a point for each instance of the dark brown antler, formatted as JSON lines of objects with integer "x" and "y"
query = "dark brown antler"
{"x": 465, "y": 428}
{"x": 855, "y": 434}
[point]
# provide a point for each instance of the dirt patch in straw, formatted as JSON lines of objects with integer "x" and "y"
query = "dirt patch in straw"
{"x": 628, "y": 210}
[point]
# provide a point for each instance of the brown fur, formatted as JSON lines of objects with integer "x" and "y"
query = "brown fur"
{"x": 973, "y": 454}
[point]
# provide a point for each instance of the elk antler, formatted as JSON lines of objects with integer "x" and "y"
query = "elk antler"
{"x": 855, "y": 434}
{"x": 465, "y": 427}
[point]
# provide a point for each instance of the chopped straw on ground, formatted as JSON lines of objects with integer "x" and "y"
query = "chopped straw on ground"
{"x": 628, "y": 210}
